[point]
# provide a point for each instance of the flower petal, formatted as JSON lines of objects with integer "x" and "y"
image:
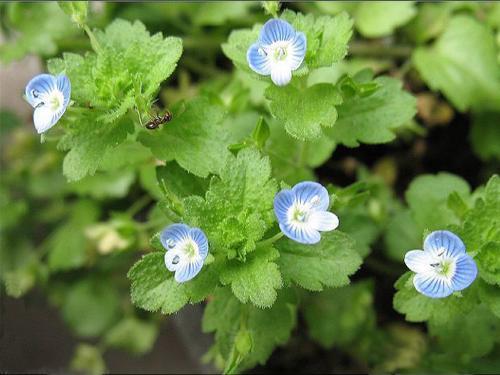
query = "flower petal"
{"x": 418, "y": 261}
{"x": 465, "y": 272}
{"x": 39, "y": 86}
{"x": 173, "y": 234}
{"x": 431, "y": 285}
{"x": 64, "y": 85}
{"x": 276, "y": 30}
{"x": 301, "y": 234}
{"x": 44, "y": 118}
{"x": 169, "y": 259}
{"x": 440, "y": 239}
{"x": 258, "y": 60}
{"x": 312, "y": 192}
{"x": 188, "y": 270}
{"x": 281, "y": 74}
{"x": 297, "y": 51}
{"x": 323, "y": 220}
{"x": 282, "y": 202}
{"x": 201, "y": 240}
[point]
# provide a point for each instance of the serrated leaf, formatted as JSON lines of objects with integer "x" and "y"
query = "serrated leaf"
{"x": 153, "y": 286}
{"x": 77, "y": 10}
{"x": 255, "y": 280}
{"x": 237, "y": 208}
{"x": 194, "y": 138}
{"x": 304, "y": 112}
{"x": 125, "y": 74}
{"x": 418, "y": 308}
{"x": 374, "y": 118}
{"x": 328, "y": 263}
{"x": 480, "y": 232}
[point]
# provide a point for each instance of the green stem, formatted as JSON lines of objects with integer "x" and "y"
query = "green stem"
{"x": 270, "y": 240}
{"x": 139, "y": 205}
{"x": 93, "y": 40}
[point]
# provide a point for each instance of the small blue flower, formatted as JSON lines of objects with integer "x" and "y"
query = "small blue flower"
{"x": 187, "y": 249}
{"x": 443, "y": 267}
{"x": 279, "y": 51}
{"x": 302, "y": 212}
{"x": 49, "y": 95}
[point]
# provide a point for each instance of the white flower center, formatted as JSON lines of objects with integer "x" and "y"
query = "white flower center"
{"x": 298, "y": 214}
{"x": 190, "y": 249}
{"x": 278, "y": 51}
{"x": 55, "y": 100}
{"x": 443, "y": 265}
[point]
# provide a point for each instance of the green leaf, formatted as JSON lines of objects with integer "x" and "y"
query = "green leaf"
{"x": 106, "y": 87}
{"x": 261, "y": 133}
{"x": 484, "y": 135}
{"x": 89, "y": 145}
{"x": 88, "y": 359}
{"x": 293, "y": 160}
{"x": 68, "y": 245}
{"x": 304, "y": 112}
{"x": 489, "y": 263}
{"x": 463, "y": 65}
{"x": 467, "y": 337}
{"x": 194, "y": 138}
{"x": 352, "y": 309}
{"x": 76, "y": 9}
{"x": 153, "y": 286}
{"x": 427, "y": 197}
{"x": 327, "y": 37}
{"x": 255, "y": 280}
{"x": 134, "y": 335}
{"x": 490, "y": 295}
{"x": 238, "y": 206}
{"x": 179, "y": 181}
{"x": 115, "y": 184}
{"x": 429, "y": 22}
{"x": 19, "y": 281}
{"x": 374, "y": 118}
{"x": 328, "y": 263}
{"x": 218, "y": 13}
{"x": 237, "y": 46}
{"x": 402, "y": 235}
{"x": 379, "y": 18}
{"x": 480, "y": 231}
{"x": 327, "y": 41}
{"x": 418, "y": 308}
{"x": 267, "y": 328}
{"x": 38, "y": 28}
{"x": 91, "y": 306}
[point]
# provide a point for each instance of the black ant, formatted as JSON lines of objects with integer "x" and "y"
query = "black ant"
{"x": 155, "y": 122}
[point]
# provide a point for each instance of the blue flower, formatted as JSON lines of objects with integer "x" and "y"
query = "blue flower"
{"x": 279, "y": 51}
{"x": 443, "y": 267}
{"x": 49, "y": 95}
{"x": 302, "y": 212}
{"x": 187, "y": 249}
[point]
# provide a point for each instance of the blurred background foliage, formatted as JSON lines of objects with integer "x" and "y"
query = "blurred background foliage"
{"x": 74, "y": 242}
